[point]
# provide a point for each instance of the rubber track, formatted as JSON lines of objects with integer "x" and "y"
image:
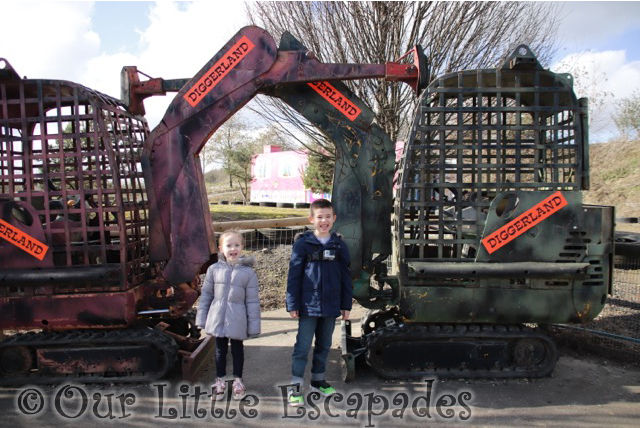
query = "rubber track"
{"x": 477, "y": 332}
{"x": 156, "y": 341}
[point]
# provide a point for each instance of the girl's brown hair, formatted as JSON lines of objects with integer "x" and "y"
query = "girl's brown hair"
{"x": 230, "y": 232}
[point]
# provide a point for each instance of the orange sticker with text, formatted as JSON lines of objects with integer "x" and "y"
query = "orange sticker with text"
{"x": 23, "y": 241}
{"x": 219, "y": 71}
{"x": 524, "y": 222}
{"x": 336, "y": 99}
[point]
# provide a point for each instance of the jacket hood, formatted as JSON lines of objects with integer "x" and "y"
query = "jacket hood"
{"x": 242, "y": 261}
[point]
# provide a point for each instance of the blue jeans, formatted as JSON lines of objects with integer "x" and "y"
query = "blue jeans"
{"x": 322, "y": 328}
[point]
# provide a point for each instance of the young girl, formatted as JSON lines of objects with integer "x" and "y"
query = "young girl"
{"x": 229, "y": 309}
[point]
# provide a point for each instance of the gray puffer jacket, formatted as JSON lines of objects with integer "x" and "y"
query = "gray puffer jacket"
{"x": 230, "y": 303}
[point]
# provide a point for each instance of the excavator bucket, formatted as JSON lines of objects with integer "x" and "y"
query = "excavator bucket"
{"x": 194, "y": 363}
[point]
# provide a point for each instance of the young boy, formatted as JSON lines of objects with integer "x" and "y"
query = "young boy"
{"x": 318, "y": 291}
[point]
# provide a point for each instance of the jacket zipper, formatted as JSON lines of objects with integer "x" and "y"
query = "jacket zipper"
{"x": 228, "y": 283}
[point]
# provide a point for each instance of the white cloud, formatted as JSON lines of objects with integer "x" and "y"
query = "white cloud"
{"x": 585, "y": 24}
{"x": 603, "y": 77}
{"x": 48, "y": 39}
{"x": 55, "y": 40}
{"x": 103, "y": 72}
{"x": 181, "y": 38}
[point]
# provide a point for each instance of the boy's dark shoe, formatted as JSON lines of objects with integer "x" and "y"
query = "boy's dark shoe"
{"x": 322, "y": 387}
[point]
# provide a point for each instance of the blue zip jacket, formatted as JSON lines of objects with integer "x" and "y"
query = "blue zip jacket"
{"x": 319, "y": 280}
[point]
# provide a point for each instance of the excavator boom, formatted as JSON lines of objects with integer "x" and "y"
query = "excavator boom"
{"x": 250, "y": 63}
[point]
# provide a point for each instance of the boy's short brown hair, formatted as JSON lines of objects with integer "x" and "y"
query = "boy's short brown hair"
{"x": 320, "y": 203}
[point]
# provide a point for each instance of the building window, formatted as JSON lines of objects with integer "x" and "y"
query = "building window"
{"x": 261, "y": 170}
{"x": 286, "y": 170}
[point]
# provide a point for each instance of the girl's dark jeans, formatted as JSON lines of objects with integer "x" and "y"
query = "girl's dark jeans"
{"x": 237, "y": 353}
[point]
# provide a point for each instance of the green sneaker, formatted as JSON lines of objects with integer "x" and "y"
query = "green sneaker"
{"x": 295, "y": 399}
{"x": 323, "y": 388}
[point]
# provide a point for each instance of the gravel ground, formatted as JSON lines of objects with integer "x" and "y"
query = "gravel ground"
{"x": 271, "y": 266}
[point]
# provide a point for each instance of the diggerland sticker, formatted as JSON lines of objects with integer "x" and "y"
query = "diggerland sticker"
{"x": 524, "y": 222}
{"x": 23, "y": 241}
{"x": 336, "y": 99}
{"x": 219, "y": 71}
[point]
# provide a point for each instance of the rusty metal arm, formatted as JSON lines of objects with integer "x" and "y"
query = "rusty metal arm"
{"x": 301, "y": 66}
{"x": 134, "y": 91}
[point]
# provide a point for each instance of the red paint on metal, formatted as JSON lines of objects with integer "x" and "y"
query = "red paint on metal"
{"x": 524, "y": 222}
{"x": 336, "y": 99}
{"x": 193, "y": 363}
{"x": 12, "y": 256}
{"x": 88, "y": 359}
{"x": 22, "y": 240}
{"x": 219, "y": 71}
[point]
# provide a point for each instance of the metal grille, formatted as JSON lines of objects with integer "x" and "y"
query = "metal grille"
{"x": 270, "y": 237}
{"x": 74, "y": 155}
{"x": 480, "y": 133}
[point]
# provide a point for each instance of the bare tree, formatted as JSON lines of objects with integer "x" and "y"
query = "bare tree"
{"x": 240, "y": 165}
{"x": 589, "y": 81}
{"x": 455, "y": 36}
{"x": 230, "y": 137}
{"x": 232, "y": 148}
{"x": 627, "y": 116}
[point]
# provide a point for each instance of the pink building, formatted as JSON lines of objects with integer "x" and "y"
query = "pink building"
{"x": 399, "y": 153}
{"x": 277, "y": 177}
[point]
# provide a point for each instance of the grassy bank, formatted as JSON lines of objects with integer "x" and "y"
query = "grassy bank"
{"x": 615, "y": 179}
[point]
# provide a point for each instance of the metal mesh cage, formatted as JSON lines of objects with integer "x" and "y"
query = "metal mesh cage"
{"x": 479, "y": 133}
{"x": 74, "y": 155}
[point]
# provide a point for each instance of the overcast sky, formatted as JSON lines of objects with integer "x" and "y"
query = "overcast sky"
{"x": 89, "y": 43}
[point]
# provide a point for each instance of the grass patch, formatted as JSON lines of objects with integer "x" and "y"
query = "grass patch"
{"x": 616, "y": 174}
{"x": 252, "y": 212}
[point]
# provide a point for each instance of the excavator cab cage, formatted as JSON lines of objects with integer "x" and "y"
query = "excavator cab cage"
{"x": 490, "y": 203}
{"x": 481, "y": 133}
{"x": 70, "y": 171}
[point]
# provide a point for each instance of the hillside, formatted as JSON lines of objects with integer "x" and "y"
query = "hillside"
{"x": 615, "y": 179}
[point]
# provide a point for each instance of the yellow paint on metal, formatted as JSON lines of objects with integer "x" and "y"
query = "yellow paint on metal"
{"x": 586, "y": 312}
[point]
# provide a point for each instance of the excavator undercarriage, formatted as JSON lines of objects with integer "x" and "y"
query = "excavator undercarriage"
{"x": 134, "y": 355}
{"x": 451, "y": 351}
